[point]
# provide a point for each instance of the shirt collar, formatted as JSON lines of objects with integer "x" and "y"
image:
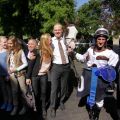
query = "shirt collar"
{"x": 54, "y": 38}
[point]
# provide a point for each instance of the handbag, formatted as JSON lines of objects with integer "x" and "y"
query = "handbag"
{"x": 30, "y": 98}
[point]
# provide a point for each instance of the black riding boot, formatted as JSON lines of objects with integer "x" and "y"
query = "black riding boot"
{"x": 94, "y": 113}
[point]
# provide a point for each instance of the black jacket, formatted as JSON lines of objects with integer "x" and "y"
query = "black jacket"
{"x": 33, "y": 66}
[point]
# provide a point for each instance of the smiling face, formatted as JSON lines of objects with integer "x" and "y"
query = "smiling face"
{"x": 58, "y": 31}
{"x": 101, "y": 42}
{"x": 32, "y": 44}
{"x": 11, "y": 45}
{"x": 3, "y": 42}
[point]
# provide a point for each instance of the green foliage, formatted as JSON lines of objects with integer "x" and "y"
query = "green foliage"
{"x": 88, "y": 16}
{"x": 53, "y": 11}
{"x": 33, "y": 17}
{"x": 115, "y": 5}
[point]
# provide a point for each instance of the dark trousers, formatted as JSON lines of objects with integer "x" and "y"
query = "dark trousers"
{"x": 39, "y": 84}
{"x": 5, "y": 90}
{"x": 59, "y": 76}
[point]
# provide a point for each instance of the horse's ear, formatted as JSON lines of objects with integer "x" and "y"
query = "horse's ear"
{"x": 53, "y": 31}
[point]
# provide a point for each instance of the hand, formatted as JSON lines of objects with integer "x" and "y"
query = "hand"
{"x": 32, "y": 56}
{"x": 69, "y": 49}
{"x": 28, "y": 81}
{"x": 12, "y": 70}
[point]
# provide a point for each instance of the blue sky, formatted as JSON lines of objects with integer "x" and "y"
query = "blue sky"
{"x": 80, "y": 2}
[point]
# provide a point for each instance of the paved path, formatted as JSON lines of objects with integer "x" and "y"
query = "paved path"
{"x": 73, "y": 112}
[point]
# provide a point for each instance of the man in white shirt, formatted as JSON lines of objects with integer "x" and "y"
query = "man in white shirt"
{"x": 59, "y": 70}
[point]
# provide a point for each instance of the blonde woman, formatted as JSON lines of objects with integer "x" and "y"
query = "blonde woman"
{"x": 39, "y": 70}
{"x": 16, "y": 66}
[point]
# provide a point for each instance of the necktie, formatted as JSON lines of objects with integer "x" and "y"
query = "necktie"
{"x": 61, "y": 53}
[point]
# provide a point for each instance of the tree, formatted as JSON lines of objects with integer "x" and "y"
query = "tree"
{"x": 33, "y": 17}
{"x": 53, "y": 11}
{"x": 115, "y": 5}
{"x": 88, "y": 16}
{"x": 12, "y": 16}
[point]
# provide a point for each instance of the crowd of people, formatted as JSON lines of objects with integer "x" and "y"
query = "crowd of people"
{"x": 49, "y": 58}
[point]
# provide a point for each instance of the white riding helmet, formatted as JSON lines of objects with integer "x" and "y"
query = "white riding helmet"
{"x": 101, "y": 32}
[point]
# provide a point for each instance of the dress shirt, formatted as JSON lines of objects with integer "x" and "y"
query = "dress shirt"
{"x": 56, "y": 53}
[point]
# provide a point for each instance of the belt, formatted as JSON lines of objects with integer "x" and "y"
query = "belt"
{"x": 68, "y": 38}
{"x": 20, "y": 73}
{"x": 61, "y": 64}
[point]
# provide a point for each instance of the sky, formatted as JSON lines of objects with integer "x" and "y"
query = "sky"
{"x": 80, "y": 2}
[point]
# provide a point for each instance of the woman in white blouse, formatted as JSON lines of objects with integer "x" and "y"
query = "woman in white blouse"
{"x": 17, "y": 63}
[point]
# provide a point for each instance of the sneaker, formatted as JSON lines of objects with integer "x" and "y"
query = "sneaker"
{"x": 62, "y": 106}
{"x": 4, "y": 105}
{"x": 53, "y": 113}
{"x": 9, "y": 107}
{"x": 44, "y": 114}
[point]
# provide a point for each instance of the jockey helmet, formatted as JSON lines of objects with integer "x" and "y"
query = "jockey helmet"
{"x": 101, "y": 32}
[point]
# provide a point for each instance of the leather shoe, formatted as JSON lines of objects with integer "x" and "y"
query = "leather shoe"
{"x": 53, "y": 113}
{"x": 62, "y": 106}
{"x": 14, "y": 111}
{"x": 44, "y": 114}
{"x": 22, "y": 111}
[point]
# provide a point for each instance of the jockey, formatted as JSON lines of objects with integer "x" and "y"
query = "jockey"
{"x": 98, "y": 56}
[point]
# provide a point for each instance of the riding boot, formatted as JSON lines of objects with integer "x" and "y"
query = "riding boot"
{"x": 91, "y": 114}
{"x": 97, "y": 112}
{"x": 94, "y": 113}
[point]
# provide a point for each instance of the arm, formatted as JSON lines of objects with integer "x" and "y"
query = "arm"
{"x": 31, "y": 63}
{"x": 30, "y": 68}
{"x": 114, "y": 58}
{"x": 24, "y": 61}
{"x": 29, "y": 71}
{"x": 83, "y": 57}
